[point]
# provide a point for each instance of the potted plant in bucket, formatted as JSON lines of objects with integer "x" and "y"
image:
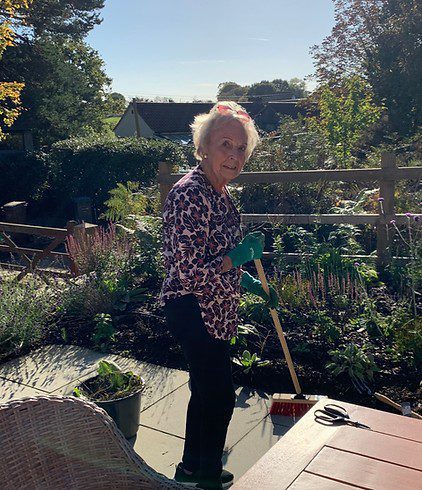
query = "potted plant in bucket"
{"x": 117, "y": 392}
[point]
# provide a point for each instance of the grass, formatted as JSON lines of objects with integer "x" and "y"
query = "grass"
{"x": 111, "y": 121}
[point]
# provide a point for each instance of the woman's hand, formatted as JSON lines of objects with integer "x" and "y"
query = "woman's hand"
{"x": 254, "y": 286}
{"x": 251, "y": 247}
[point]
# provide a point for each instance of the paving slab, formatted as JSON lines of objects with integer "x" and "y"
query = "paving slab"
{"x": 12, "y": 391}
{"x": 161, "y": 451}
{"x": 51, "y": 367}
{"x": 169, "y": 414}
{"x": 246, "y": 452}
{"x": 159, "y": 380}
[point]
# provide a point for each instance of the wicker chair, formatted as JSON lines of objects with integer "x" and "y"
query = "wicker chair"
{"x": 52, "y": 442}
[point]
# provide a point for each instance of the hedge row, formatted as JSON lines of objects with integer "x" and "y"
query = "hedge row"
{"x": 83, "y": 167}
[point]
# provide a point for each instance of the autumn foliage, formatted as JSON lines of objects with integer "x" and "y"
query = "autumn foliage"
{"x": 10, "y": 103}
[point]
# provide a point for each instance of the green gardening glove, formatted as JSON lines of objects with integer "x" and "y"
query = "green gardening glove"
{"x": 254, "y": 286}
{"x": 251, "y": 247}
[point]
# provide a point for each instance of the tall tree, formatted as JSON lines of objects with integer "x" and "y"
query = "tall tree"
{"x": 230, "y": 89}
{"x": 65, "y": 83}
{"x": 381, "y": 41}
{"x": 65, "y": 87}
{"x": 116, "y": 103}
{"x": 70, "y": 18}
{"x": 10, "y": 103}
{"x": 345, "y": 113}
{"x": 295, "y": 88}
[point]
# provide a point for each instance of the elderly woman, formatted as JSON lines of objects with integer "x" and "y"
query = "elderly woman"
{"x": 203, "y": 252}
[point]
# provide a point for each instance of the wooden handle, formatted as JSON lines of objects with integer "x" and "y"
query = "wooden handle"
{"x": 388, "y": 401}
{"x": 278, "y": 327}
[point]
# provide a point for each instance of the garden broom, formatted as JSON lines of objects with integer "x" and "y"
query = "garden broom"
{"x": 285, "y": 403}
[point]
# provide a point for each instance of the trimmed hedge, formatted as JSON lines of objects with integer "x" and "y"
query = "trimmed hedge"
{"x": 89, "y": 166}
{"x": 93, "y": 166}
{"x": 23, "y": 176}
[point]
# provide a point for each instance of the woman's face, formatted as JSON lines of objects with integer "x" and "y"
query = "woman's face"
{"x": 226, "y": 150}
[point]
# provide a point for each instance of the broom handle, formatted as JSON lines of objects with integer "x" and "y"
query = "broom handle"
{"x": 278, "y": 327}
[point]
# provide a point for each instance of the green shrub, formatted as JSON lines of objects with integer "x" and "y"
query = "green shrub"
{"x": 295, "y": 148}
{"x": 407, "y": 333}
{"x": 87, "y": 295}
{"x": 249, "y": 361}
{"x": 353, "y": 361}
{"x": 148, "y": 261}
{"x": 24, "y": 176}
{"x": 27, "y": 309}
{"x": 103, "y": 332}
{"x": 94, "y": 165}
{"x": 325, "y": 327}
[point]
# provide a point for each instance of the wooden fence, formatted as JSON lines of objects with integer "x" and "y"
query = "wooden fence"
{"x": 387, "y": 176}
{"x": 58, "y": 235}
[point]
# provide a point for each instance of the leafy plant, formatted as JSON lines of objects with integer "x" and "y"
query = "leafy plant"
{"x": 408, "y": 339}
{"x": 27, "y": 311}
{"x": 249, "y": 361}
{"x": 125, "y": 200}
{"x": 353, "y": 361}
{"x": 149, "y": 261}
{"x": 243, "y": 331}
{"x": 325, "y": 327}
{"x": 136, "y": 295}
{"x": 345, "y": 113}
{"x": 111, "y": 383}
{"x": 103, "y": 332}
{"x": 253, "y": 308}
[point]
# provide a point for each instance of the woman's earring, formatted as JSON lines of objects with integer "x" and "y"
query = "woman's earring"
{"x": 204, "y": 156}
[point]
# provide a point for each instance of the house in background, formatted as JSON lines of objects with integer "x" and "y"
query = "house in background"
{"x": 171, "y": 120}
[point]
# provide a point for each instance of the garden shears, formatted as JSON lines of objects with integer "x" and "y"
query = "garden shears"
{"x": 333, "y": 414}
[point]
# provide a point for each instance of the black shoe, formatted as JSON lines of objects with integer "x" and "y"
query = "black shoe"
{"x": 195, "y": 479}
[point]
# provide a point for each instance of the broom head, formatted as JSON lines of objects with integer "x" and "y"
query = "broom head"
{"x": 293, "y": 405}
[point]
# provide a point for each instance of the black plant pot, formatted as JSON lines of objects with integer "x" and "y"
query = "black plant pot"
{"x": 125, "y": 412}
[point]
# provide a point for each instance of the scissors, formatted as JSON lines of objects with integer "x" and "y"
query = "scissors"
{"x": 333, "y": 414}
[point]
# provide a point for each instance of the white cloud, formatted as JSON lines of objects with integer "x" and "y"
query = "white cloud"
{"x": 197, "y": 62}
{"x": 261, "y": 39}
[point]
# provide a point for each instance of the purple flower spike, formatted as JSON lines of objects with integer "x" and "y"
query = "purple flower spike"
{"x": 380, "y": 199}
{"x": 357, "y": 264}
{"x": 409, "y": 215}
{"x": 416, "y": 218}
{"x": 392, "y": 222}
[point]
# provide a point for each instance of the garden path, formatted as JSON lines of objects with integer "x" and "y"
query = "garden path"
{"x": 56, "y": 369}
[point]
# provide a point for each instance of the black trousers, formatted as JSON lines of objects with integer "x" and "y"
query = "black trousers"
{"x": 212, "y": 392}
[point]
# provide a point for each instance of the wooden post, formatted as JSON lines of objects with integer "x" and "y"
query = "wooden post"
{"x": 70, "y": 226}
{"x": 81, "y": 234}
{"x": 164, "y": 170}
{"x": 136, "y": 117}
{"x": 386, "y": 209}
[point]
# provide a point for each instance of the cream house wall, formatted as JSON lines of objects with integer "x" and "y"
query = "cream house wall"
{"x": 127, "y": 127}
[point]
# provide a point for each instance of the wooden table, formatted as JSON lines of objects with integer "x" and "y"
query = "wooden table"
{"x": 314, "y": 456}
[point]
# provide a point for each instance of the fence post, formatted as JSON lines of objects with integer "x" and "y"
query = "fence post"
{"x": 386, "y": 210}
{"x": 81, "y": 234}
{"x": 70, "y": 227}
{"x": 164, "y": 170}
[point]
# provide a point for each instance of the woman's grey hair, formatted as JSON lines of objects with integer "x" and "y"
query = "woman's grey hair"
{"x": 204, "y": 124}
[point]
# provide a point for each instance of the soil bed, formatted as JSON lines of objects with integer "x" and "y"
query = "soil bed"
{"x": 142, "y": 334}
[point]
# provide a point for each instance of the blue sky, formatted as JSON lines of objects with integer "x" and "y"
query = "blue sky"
{"x": 185, "y": 48}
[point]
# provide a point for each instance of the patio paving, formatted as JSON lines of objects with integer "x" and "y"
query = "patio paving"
{"x": 57, "y": 369}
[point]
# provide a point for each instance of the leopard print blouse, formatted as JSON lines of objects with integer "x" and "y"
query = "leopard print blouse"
{"x": 200, "y": 226}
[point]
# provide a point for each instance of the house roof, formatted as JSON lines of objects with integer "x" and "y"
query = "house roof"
{"x": 176, "y": 117}
{"x": 170, "y": 117}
